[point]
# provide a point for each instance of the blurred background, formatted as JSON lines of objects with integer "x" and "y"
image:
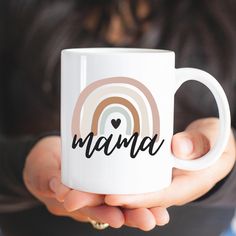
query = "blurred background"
{"x": 32, "y": 35}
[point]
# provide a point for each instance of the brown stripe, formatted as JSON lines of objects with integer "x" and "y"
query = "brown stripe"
{"x": 115, "y": 100}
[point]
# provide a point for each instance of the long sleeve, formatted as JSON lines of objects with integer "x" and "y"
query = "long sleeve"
{"x": 223, "y": 193}
{"x": 13, "y": 193}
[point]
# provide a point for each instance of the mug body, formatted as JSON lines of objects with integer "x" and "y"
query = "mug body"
{"x": 117, "y": 108}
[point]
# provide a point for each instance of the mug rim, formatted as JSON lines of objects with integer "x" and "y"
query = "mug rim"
{"x": 115, "y": 50}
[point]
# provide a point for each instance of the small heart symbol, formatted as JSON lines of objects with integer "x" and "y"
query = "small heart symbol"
{"x": 115, "y": 123}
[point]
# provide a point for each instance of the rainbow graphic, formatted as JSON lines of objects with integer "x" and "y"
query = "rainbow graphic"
{"x": 116, "y": 105}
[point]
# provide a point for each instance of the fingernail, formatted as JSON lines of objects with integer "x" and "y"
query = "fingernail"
{"x": 53, "y": 184}
{"x": 186, "y": 146}
{"x": 166, "y": 217}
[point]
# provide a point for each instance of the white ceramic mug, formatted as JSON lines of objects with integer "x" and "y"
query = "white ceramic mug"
{"x": 117, "y": 107}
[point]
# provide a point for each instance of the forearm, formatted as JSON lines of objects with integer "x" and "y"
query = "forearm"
{"x": 13, "y": 194}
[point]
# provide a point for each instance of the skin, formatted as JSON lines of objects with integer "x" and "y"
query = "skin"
{"x": 42, "y": 178}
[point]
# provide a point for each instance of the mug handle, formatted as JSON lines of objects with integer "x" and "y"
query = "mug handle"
{"x": 185, "y": 74}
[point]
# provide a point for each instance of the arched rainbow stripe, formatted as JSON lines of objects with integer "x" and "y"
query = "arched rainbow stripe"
{"x": 122, "y": 91}
{"x": 119, "y": 109}
{"x": 115, "y": 100}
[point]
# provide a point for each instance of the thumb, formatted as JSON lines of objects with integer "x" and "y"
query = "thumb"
{"x": 190, "y": 144}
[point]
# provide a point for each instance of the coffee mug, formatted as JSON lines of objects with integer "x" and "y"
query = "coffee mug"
{"x": 117, "y": 109}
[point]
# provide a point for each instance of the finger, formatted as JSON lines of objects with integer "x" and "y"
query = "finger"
{"x": 210, "y": 128}
{"x": 190, "y": 144}
{"x": 161, "y": 215}
{"x": 105, "y": 214}
{"x": 140, "y": 218}
{"x": 75, "y": 200}
{"x": 56, "y": 208}
{"x": 77, "y": 215}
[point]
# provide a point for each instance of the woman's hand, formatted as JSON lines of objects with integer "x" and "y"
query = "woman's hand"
{"x": 186, "y": 186}
{"x": 42, "y": 178}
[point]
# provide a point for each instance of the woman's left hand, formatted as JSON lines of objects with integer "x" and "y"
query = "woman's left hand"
{"x": 186, "y": 186}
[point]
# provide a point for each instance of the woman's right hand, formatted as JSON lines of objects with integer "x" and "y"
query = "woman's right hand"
{"x": 42, "y": 178}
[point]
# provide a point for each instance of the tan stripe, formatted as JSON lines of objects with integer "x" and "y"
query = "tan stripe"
{"x": 115, "y": 100}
